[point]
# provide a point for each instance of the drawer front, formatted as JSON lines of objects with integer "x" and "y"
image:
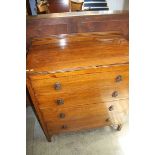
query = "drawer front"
{"x": 81, "y": 124}
{"x": 70, "y": 82}
{"x": 83, "y": 88}
{"x": 87, "y": 96}
{"x": 106, "y": 109}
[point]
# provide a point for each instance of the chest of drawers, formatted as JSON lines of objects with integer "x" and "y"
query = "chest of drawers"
{"x": 79, "y": 81}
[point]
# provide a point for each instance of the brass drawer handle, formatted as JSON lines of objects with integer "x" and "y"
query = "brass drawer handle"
{"x": 119, "y": 78}
{"x": 64, "y": 126}
{"x": 57, "y": 86}
{"x": 60, "y": 101}
{"x": 111, "y": 108}
{"x": 115, "y": 94}
{"x": 62, "y": 115}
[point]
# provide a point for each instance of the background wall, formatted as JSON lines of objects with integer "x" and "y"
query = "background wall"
{"x": 118, "y": 4}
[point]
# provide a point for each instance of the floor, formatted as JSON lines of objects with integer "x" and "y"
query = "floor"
{"x": 103, "y": 141}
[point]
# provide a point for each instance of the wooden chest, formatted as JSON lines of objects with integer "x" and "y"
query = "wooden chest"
{"x": 79, "y": 81}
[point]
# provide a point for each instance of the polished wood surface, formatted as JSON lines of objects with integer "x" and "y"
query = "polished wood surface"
{"x": 79, "y": 81}
{"x": 84, "y": 111}
{"x": 80, "y": 124}
{"x": 112, "y": 69}
{"x": 57, "y": 6}
{"x": 63, "y": 53}
{"x": 76, "y": 22}
{"x": 82, "y": 97}
{"x": 37, "y": 110}
{"x": 82, "y": 88}
{"x": 93, "y": 117}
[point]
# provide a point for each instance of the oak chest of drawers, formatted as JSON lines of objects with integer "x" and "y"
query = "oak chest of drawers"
{"x": 79, "y": 81}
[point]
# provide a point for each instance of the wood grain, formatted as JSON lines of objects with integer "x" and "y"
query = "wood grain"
{"x": 85, "y": 111}
{"x": 87, "y": 67}
{"x": 58, "y": 6}
{"x": 64, "y": 54}
{"x": 37, "y": 110}
{"x": 82, "y": 88}
{"x": 85, "y": 97}
{"x": 80, "y": 124}
{"x": 109, "y": 72}
{"x": 75, "y": 22}
{"x": 93, "y": 117}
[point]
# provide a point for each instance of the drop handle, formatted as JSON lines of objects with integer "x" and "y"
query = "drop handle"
{"x": 57, "y": 86}
{"x": 60, "y": 101}
{"x": 118, "y": 78}
{"x": 115, "y": 94}
{"x": 111, "y": 108}
{"x": 61, "y": 115}
{"x": 64, "y": 127}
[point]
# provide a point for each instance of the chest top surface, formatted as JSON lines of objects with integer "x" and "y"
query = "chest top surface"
{"x": 65, "y": 52}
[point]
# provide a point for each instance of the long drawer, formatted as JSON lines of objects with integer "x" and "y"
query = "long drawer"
{"x": 75, "y": 125}
{"x": 86, "y": 96}
{"x": 92, "y": 110}
{"x": 83, "y": 89}
{"x": 101, "y": 77}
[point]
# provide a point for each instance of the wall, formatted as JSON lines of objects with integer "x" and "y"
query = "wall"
{"x": 118, "y": 4}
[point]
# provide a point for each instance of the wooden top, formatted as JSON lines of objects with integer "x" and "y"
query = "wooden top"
{"x": 79, "y": 13}
{"x": 61, "y": 53}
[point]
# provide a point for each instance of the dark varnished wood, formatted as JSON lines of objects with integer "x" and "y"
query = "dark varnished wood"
{"x": 76, "y": 22}
{"x": 57, "y": 6}
{"x": 87, "y": 73}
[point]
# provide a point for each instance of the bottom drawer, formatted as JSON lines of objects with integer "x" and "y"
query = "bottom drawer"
{"x": 80, "y": 124}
